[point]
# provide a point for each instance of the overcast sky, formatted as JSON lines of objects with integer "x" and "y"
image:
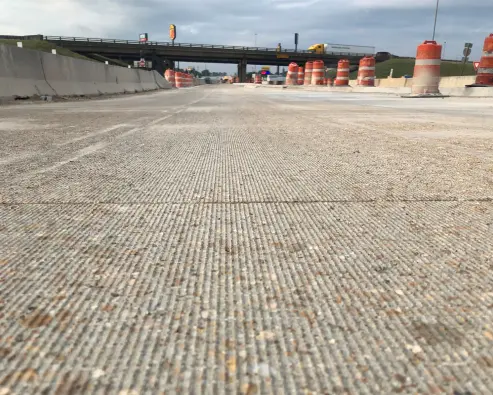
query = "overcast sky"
{"x": 395, "y": 26}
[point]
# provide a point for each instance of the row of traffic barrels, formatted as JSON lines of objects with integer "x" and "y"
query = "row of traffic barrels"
{"x": 178, "y": 79}
{"x": 426, "y": 76}
{"x": 314, "y": 73}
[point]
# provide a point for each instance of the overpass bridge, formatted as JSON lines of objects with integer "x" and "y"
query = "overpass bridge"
{"x": 164, "y": 54}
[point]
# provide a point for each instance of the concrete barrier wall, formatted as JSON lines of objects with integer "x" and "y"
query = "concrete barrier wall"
{"x": 147, "y": 80}
{"x": 393, "y": 82}
{"x": 21, "y": 73}
{"x": 129, "y": 79}
{"x": 69, "y": 76}
{"x": 445, "y": 82}
{"x": 198, "y": 81}
{"x": 25, "y": 72}
{"x": 457, "y": 82}
{"x": 161, "y": 82}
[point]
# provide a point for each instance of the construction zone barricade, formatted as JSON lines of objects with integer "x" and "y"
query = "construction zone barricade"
{"x": 292, "y": 75}
{"x": 318, "y": 73}
{"x": 342, "y": 77}
{"x": 170, "y": 77}
{"x": 484, "y": 76}
{"x": 301, "y": 76}
{"x": 180, "y": 80}
{"x": 366, "y": 71}
{"x": 426, "y": 78}
{"x": 308, "y": 73}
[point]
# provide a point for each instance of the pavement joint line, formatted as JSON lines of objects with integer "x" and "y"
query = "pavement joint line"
{"x": 342, "y": 201}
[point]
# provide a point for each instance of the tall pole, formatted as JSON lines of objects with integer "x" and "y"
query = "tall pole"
{"x": 435, "y": 24}
{"x": 255, "y": 47}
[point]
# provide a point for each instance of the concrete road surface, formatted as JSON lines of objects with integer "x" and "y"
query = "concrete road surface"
{"x": 235, "y": 240}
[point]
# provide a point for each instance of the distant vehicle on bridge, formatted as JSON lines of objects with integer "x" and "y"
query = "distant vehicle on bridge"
{"x": 342, "y": 49}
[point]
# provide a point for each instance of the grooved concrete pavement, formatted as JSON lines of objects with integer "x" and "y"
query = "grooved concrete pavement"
{"x": 232, "y": 240}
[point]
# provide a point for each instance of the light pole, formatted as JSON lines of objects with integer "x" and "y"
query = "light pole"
{"x": 255, "y": 47}
{"x": 435, "y": 24}
{"x": 443, "y": 51}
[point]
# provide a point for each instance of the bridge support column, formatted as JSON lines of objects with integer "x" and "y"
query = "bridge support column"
{"x": 242, "y": 70}
{"x": 158, "y": 64}
{"x": 168, "y": 64}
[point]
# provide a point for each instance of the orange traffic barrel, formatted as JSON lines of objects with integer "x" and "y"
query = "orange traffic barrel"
{"x": 342, "y": 77}
{"x": 485, "y": 69}
{"x": 318, "y": 72}
{"x": 185, "y": 80}
{"x": 301, "y": 76}
{"x": 258, "y": 78}
{"x": 308, "y": 73}
{"x": 292, "y": 76}
{"x": 366, "y": 71}
{"x": 180, "y": 79}
{"x": 170, "y": 77}
{"x": 426, "y": 76}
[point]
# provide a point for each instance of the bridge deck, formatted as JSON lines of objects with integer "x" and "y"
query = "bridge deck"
{"x": 129, "y": 49}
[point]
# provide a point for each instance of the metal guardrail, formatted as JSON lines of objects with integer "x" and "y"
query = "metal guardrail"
{"x": 189, "y": 45}
{"x": 165, "y": 44}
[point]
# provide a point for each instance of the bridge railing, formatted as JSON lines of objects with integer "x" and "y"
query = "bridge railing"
{"x": 163, "y": 43}
{"x": 189, "y": 45}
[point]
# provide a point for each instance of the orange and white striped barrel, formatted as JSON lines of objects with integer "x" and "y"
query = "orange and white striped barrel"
{"x": 308, "y": 73}
{"x": 485, "y": 70}
{"x": 180, "y": 80}
{"x": 342, "y": 77}
{"x": 318, "y": 72}
{"x": 301, "y": 76}
{"x": 366, "y": 71}
{"x": 426, "y": 76}
{"x": 185, "y": 80}
{"x": 292, "y": 75}
{"x": 170, "y": 77}
{"x": 258, "y": 78}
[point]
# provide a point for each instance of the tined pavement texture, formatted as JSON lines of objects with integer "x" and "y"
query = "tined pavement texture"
{"x": 232, "y": 240}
